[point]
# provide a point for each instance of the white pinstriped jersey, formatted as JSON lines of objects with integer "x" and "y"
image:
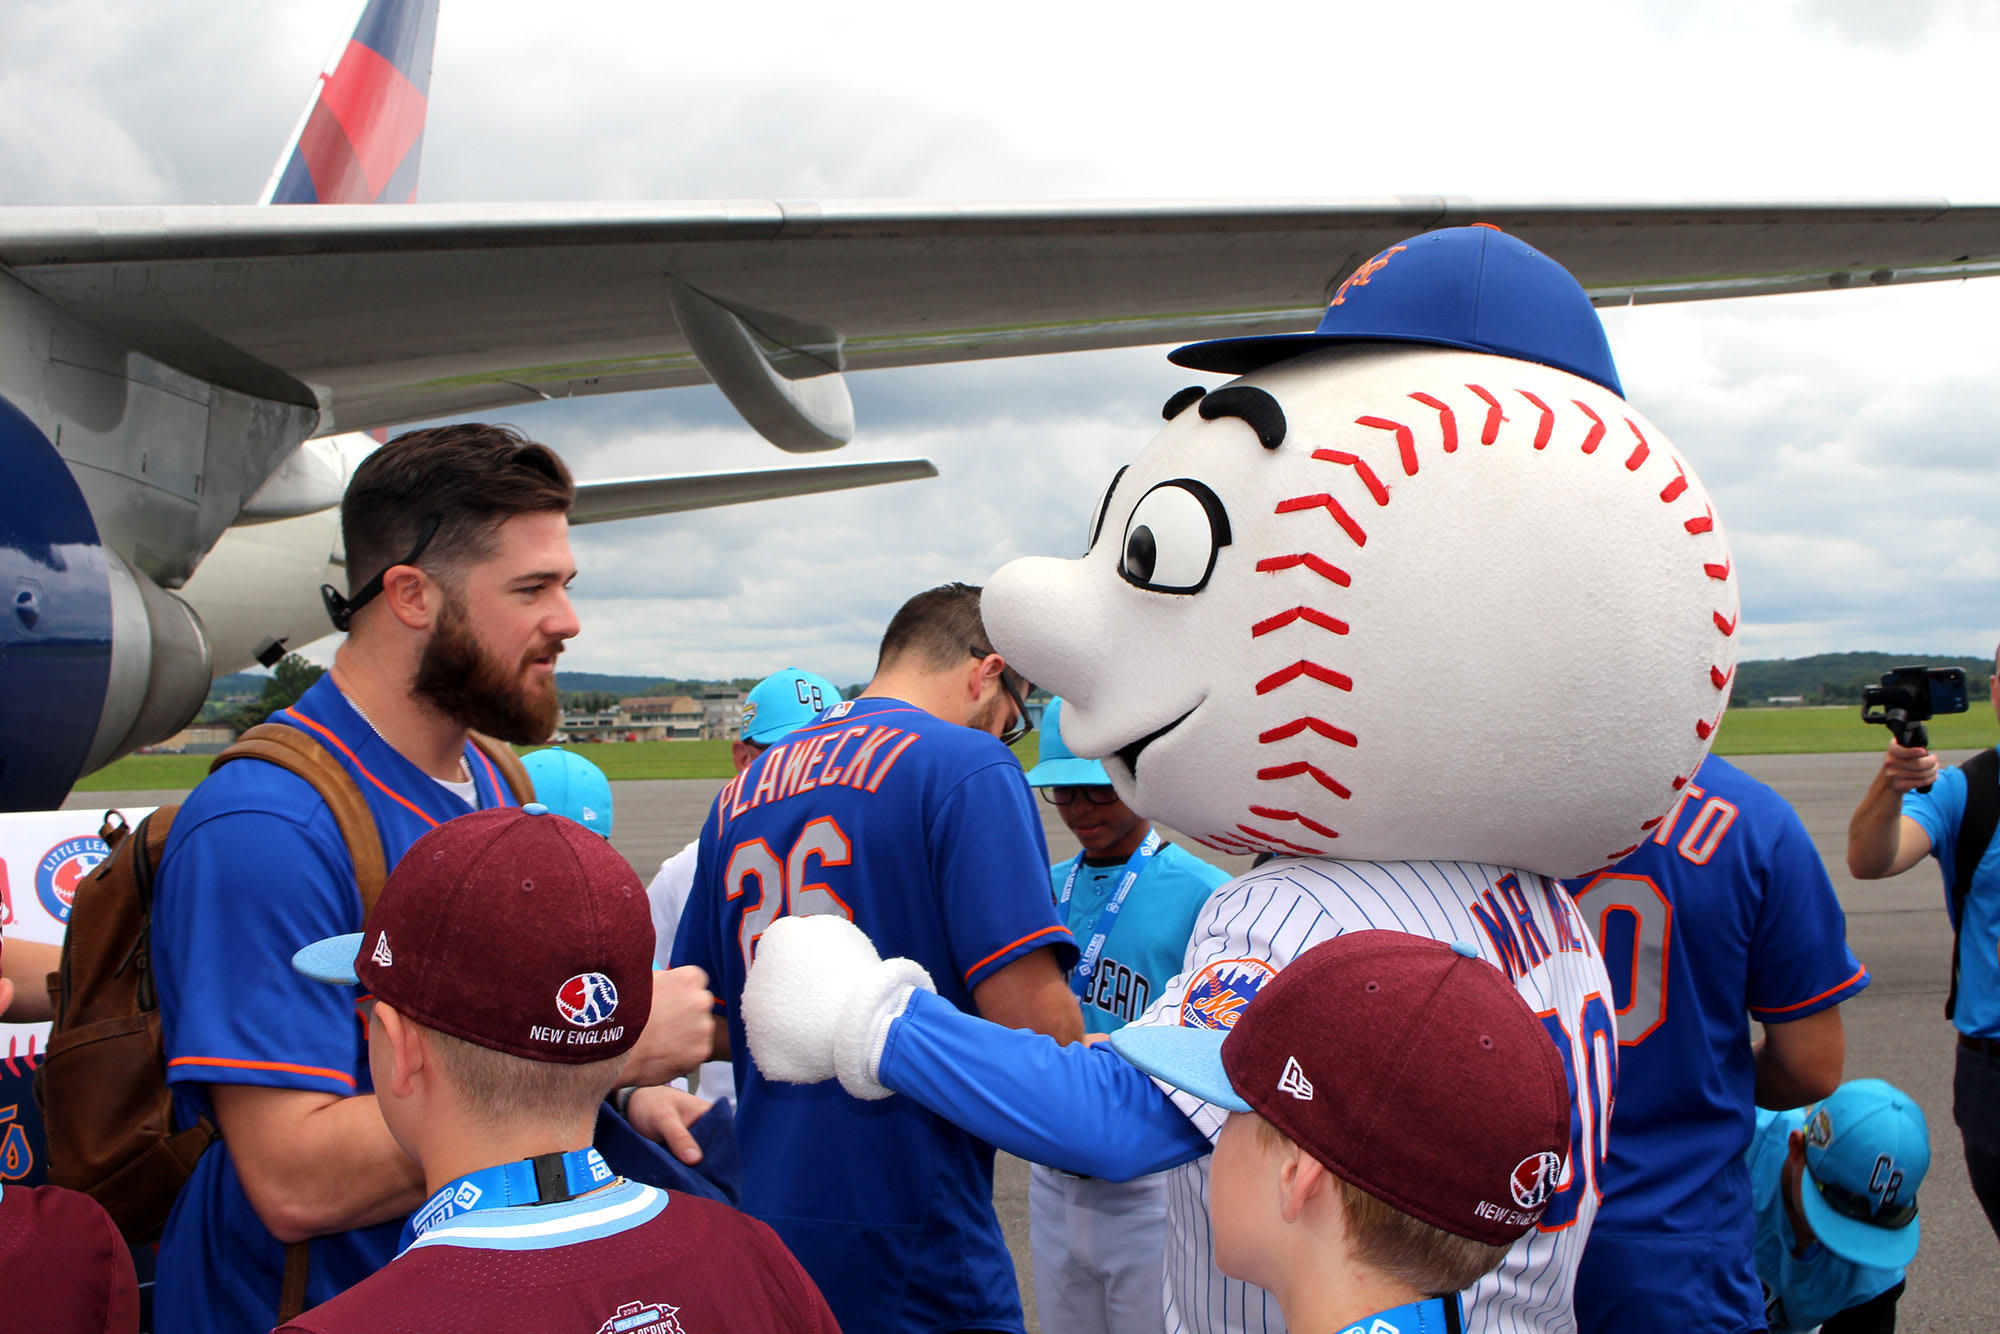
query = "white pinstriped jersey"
{"x": 1520, "y": 922}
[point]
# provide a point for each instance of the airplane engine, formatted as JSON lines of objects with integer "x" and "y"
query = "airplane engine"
{"x": 96, "y": 659}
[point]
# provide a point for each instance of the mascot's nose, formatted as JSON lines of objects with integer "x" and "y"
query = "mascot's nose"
{"x": 1045, "y": 624}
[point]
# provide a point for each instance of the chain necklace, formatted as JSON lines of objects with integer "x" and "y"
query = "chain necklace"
{"x": 355, "y": 704}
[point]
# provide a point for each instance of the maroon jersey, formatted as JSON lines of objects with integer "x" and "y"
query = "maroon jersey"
{"x": 63, "y": 1267}
{"x": 628, "y": 1260}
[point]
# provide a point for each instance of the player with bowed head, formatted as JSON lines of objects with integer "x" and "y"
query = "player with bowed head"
{"x": 1444, "y": 477}
{"x": 903, "y": 812}
{"x": 509, "y": 965}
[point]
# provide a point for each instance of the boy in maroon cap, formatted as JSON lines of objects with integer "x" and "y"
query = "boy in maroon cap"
{"x": 63, "y": 1267}
{"x": 1399, "y": 1120}
{"x": 509, "y": 969}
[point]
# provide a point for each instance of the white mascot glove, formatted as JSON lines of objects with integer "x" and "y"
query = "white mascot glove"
{"x": 818, "y": 1002}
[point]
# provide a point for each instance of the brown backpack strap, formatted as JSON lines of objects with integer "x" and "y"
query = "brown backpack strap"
{"x": 509, "y": 764}
{"x": 292, "y": 1291}
{"x": 295, "y": 751}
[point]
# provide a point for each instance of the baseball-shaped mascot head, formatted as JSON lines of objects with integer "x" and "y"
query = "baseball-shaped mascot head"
{"x": 1418, "y": 586}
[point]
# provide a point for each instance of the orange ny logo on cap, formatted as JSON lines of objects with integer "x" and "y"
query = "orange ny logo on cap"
{"x": 1360, "y": 277}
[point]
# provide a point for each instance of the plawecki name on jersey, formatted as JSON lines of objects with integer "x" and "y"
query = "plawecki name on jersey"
{"x": 1520, "y": 922}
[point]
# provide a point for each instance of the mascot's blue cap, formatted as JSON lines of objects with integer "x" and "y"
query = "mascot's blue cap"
{"x": 1473, "y": 287}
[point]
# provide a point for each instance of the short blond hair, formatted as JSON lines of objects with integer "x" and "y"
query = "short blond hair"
{"x": 1398, "y": 1246}
{"x": 508, "y": 1090}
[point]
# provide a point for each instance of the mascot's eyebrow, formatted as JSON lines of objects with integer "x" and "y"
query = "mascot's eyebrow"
{"x": 1177, "y": 404}
{"x": 1257, "y": 408}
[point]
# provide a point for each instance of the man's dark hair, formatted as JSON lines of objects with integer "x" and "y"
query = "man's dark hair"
{"x": 471, "y": 477}
{"x": 941, "y": 624}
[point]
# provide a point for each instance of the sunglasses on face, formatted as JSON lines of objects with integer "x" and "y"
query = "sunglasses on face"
{"x": 1023, "y": 724}
{"x": 1095, "y": 794}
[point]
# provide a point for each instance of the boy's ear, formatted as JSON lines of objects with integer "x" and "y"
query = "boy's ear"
{"x": 407, "y": 1054}
{"x": 1300, "y": 1177}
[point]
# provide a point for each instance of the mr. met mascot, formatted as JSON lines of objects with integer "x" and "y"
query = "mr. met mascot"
{"x": 1420, "y": 605}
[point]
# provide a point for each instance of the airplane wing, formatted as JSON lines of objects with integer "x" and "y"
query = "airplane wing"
{"x": 380, "y": 316}
{"x": 599, "y": 502}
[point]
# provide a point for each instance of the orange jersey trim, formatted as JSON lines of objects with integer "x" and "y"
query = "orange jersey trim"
{"x": 501, "y": 792}
{"x": 228, "y": 1063}
{"x": 1007, "y": 949}
{"x": 341, "y": 746}
{"x": 1786, "y": 1009}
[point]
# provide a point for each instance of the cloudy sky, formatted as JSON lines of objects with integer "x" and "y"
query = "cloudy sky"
{"x": 1848, "y": 436}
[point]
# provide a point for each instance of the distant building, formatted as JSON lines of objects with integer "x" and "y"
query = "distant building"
{"x": 679, "y": 717}
{"x": 1784, "y": 699}
{"x": 722, "y": 713}
{"x": 197, "y": 739}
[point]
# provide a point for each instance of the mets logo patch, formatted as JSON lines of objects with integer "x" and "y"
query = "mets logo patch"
{"x": 62, "y": 866}
{"x": 1535, "y": 1179}
{"x": 1216, "y": 997}
{"x": 587, "y": 999}
{"x": 643, "y": 1318}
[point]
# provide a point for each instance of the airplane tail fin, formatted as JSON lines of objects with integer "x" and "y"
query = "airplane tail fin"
{"x": 362, "y": 133}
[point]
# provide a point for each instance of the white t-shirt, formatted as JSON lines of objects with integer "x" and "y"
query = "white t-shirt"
{"x": 668, "y": 896}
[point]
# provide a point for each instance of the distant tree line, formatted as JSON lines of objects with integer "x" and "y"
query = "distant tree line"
{"x": 1839, "y": 678}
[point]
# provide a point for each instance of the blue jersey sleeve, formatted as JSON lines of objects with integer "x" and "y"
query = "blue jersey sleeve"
{"x": 695, "y": 941}
{"x": 1940, "y": 811}
{"x": 238, "y": 894}
{"x": 1078, "y": 1108}
{"x": 1799, "y": 960}
{"x": 990, "y": 863}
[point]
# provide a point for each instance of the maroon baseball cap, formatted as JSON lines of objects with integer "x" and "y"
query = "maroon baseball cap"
{"x": 511, "y": 928}
{"x": 1410, "y": 1067}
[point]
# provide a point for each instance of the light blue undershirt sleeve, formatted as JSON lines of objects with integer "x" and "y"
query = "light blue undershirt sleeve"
{"x": 1077, "y": 1108}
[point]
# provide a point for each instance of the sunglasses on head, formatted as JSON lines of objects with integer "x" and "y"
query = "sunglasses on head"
{"x": 1861, "y": 1208}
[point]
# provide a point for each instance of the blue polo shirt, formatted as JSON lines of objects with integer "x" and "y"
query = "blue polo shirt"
{"x": 254, "y": 868}
{"x": 1941, "y": 811}
{"x": 1149, "y": 937}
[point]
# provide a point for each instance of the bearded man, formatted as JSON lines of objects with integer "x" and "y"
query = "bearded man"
{"x": 459, "y": 565}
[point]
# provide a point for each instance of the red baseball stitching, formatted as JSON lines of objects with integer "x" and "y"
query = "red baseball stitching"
{"x": 1494, "y": 416}
{"x": 1275, "y": 813}
{"x": 1406, "y": 449}
{"x": 1274, "y": 840}
{"x": 1307, "y": 614}
{"x": 1447, "y": 424}
{"x": 1333, "y": 573}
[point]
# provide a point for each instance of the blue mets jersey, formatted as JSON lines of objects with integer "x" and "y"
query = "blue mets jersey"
{"x": 1726, "y": 909}
{"x": 1800, "y": 1291}
{"x": 925, "y": 836}
{"x": 254, "y": 868}
{"x": 1941, "y": 811}
{"x": 1149, "y": 936}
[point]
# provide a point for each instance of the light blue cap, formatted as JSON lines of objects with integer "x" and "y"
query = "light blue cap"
{"x": 1056, "y": 764}
{"x": 1187, "y": 1058}
{"x": 570, "y": 785}
{"x": 783, "y": 702}
{"x": 1867, "y": 1150}
{"x": 330, "y": 960}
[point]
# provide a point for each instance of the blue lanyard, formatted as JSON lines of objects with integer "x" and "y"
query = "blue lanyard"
{"x": 1135, "y": 866}
{"x": 1424, "y": 1317}
{"x": 529, "y": 1181}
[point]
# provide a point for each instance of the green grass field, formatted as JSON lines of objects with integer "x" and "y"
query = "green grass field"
{"x": 1744, "y": 732}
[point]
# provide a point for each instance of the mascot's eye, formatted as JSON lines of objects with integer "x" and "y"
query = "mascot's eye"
{"x": 1172, "y": 538}
{"x": 1103, "y": 507}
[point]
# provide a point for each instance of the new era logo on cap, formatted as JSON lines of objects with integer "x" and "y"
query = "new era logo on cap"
{"x": 381, "y": 953}
{"x": 1294, "y": 1081}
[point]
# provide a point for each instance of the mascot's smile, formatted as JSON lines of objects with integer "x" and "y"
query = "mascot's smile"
{"x": 1128, "y": 754}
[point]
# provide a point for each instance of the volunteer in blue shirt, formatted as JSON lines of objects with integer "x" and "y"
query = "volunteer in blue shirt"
{"x": 1130, "y": 898}
{"x": 1895, "y": 827}
{"x": 458, "y": 561}
{"x": 1835, "y": 1191}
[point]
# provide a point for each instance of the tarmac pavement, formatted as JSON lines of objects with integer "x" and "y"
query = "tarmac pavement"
{"x": 1896, "y": 1029}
